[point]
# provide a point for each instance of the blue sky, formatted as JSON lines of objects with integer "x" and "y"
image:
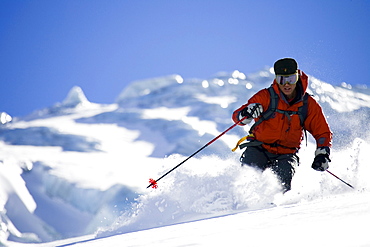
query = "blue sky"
{"x": 47, "y": 47}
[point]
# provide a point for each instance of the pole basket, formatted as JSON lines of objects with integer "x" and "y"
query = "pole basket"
{"x": 153, "y": 183}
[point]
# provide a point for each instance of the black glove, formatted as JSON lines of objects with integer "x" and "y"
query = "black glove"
{"x": 253, "y": 110}
{"x": 321, "y": 161}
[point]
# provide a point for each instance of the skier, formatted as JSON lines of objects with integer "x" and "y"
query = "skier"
{"x": 282, "y": 114}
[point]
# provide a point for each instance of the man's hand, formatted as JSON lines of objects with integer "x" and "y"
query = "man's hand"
{"x": 253, "y": 110}
{"x": 321, "y": 161}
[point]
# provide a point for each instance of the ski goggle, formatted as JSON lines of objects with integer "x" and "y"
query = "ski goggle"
{"x": 284, "y": 79}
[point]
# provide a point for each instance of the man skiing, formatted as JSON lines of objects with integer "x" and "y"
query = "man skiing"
{"x": 282, "y": 113}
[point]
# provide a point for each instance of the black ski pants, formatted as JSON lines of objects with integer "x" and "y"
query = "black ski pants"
{"x": 283, "y": 165}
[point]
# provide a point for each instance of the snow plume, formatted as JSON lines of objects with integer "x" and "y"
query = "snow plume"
{"x": 203, "y": 188}
{"x": 353, "y": 164}
{"x": 207, "y": 187}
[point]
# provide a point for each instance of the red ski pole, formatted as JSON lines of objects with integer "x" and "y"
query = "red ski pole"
{"x": 153, "y": 183}
{"x": 340, "y": 179}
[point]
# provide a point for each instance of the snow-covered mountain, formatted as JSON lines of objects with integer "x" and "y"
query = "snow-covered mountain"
{"x": 81, "y": 169}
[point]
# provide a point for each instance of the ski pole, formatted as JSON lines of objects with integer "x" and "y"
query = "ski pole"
{"x": 153, "y": 183}
{"x": 340, "y": 179}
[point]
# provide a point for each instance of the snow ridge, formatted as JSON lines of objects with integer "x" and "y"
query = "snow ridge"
{"x": 75, "y": 97}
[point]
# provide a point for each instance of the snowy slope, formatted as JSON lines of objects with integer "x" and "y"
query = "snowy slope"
{"x": 341, "y": 220}
{"x": 79, "y": 168}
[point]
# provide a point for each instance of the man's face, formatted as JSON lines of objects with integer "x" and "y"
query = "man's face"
{"x": 287, "y": 84}
{"x": 288, "y": 89}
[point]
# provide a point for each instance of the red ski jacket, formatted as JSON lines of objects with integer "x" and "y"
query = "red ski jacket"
{"x": 282, "y": 134}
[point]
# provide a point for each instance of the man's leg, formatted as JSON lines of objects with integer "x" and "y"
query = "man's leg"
{"x": 284, "y": 168}
{"x": 255, "y": 157}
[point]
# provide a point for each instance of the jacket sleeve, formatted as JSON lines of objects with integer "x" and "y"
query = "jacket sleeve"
{"x": 262, "y": 97}
{"x": 317, "y": 125}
